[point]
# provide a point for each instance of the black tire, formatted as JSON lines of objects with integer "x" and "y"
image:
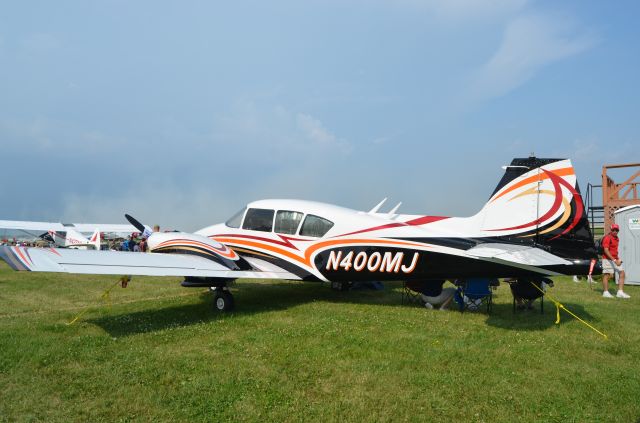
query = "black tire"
{"x": 223, "y": 301}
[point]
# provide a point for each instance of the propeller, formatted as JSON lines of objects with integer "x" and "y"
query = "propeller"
{"x": 144, "y": 229}
{"x": 139, "y": 226}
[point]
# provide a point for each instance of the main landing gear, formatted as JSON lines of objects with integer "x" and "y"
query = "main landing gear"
{"x": 222, "y": 298}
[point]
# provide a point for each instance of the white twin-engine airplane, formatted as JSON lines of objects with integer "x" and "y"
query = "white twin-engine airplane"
{"x": 534, "y": 225}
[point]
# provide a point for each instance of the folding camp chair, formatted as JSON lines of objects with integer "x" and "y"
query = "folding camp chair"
{"x": 411, "y": 292}
{"x": 472, "y": 293}
{"x": 525, "y": 290}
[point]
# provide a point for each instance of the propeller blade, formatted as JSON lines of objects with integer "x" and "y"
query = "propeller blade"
{"x": 139, "y": 226}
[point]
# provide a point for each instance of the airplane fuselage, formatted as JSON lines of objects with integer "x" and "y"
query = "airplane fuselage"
{"x": 361, "y": 246}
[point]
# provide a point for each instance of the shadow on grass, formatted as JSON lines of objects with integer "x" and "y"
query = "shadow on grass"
{"x": 531, "y": 320}
{"x": 250, "y": 298}
{"x": 254, "y": 298}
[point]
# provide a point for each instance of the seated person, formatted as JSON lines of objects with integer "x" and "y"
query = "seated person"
{"x": 525, "y": 293}
{"x": 434, "y": 295}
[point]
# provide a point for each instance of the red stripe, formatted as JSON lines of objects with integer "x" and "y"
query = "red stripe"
{"x": 24, "y": 259}
{"x": 579, "y": 207}
{"x": 425, "y": 219}
{"x": 376, "y": 228}
{"x": 414, "y": 222}
{"x": 557, "y": 202}
{"x": 53, "y": 250}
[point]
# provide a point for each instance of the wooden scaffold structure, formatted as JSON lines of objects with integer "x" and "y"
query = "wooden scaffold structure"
{"x": 616, "y": 196}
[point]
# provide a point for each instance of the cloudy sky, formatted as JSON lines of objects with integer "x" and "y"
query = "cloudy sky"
{"x": 182, "y": 112}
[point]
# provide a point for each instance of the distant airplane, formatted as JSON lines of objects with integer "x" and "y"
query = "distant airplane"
{"x": 68, "y": 235}
{"x": 73, "y": 239}
{"x": 534, "y": 225}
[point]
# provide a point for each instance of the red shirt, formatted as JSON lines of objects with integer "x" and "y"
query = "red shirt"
{"x": 611, "y": 242}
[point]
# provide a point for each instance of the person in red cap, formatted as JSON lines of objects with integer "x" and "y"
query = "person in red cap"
{"x": 611, "y": 263}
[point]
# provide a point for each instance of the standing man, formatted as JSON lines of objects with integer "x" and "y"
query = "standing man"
{"x": 611, "y": 263}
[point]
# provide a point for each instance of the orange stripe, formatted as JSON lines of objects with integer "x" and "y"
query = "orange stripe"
{"x": 308, "y": 253}
{"x": 256, "y": 244}
{"x": 535, "y": 178}
{"x": 319, "y": 245}
{"x": 307, "y": 258}
{"x": 228, "y": 253}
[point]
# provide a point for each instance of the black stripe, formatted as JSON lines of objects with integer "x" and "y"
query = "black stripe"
{"x": 283, "y": 264}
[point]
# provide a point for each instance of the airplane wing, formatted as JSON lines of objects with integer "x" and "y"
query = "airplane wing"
{"x": 26, "y": 225}
{"x": 128, "y": 263}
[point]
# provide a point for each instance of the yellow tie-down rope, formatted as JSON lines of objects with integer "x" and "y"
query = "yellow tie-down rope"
{"x": 560, "y": 306}
{"x": 123, "y": 281}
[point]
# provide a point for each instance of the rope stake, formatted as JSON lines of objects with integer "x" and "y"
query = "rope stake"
{"x": 123, "y": 281}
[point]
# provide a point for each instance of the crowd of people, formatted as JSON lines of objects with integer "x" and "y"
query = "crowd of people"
{"x": 21, "y": 243}
{"x": 136, "y": 242}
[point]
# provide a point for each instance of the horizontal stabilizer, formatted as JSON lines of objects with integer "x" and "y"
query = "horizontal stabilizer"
{"x": 520, "y": 254}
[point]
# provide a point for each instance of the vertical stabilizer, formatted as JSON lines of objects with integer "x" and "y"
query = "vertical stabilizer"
{"x": 95, "y": 239}
{"x": 538, "y": 202}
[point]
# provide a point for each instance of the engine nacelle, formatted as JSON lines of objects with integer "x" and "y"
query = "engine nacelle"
{"x": 197, "y": 245}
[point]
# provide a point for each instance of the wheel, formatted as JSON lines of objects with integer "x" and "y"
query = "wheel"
{"x": 223, "y": 301}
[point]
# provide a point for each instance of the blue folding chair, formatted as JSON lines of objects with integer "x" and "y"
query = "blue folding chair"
{"x": 473, "y": 293}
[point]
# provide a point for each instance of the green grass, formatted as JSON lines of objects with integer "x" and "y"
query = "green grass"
{"x": 302, "y": 352}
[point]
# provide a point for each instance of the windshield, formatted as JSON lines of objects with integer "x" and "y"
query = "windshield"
{"x": 236, "y": 219}
{"x": 315, "y": 226}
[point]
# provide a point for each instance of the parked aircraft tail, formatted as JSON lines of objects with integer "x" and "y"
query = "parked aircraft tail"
{"x": 95, "y": 239}
{"x": 73, "y": 239}
{"x": 538, "y": 202}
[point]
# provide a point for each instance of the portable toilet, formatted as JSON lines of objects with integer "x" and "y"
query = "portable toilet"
{"x": 628, "y": 218}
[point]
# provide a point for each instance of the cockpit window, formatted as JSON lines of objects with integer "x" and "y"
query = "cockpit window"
{"x": 258, "y": 220}
{"x": 287, "y": 222}
{"x": 315, "y": 226}
{"x": 235, "y": 220}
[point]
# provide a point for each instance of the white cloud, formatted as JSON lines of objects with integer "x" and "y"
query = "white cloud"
{"x": 529, "y": 43}
{"x": 314, "y": 131}
{"x": 277, "y": 132}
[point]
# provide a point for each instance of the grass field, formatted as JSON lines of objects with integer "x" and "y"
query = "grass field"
{"x": 303, "y": 352}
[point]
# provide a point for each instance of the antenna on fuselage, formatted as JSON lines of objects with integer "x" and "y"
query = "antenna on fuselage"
{"x": 393, "y": 211}
{"x": 377, "y": 207}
